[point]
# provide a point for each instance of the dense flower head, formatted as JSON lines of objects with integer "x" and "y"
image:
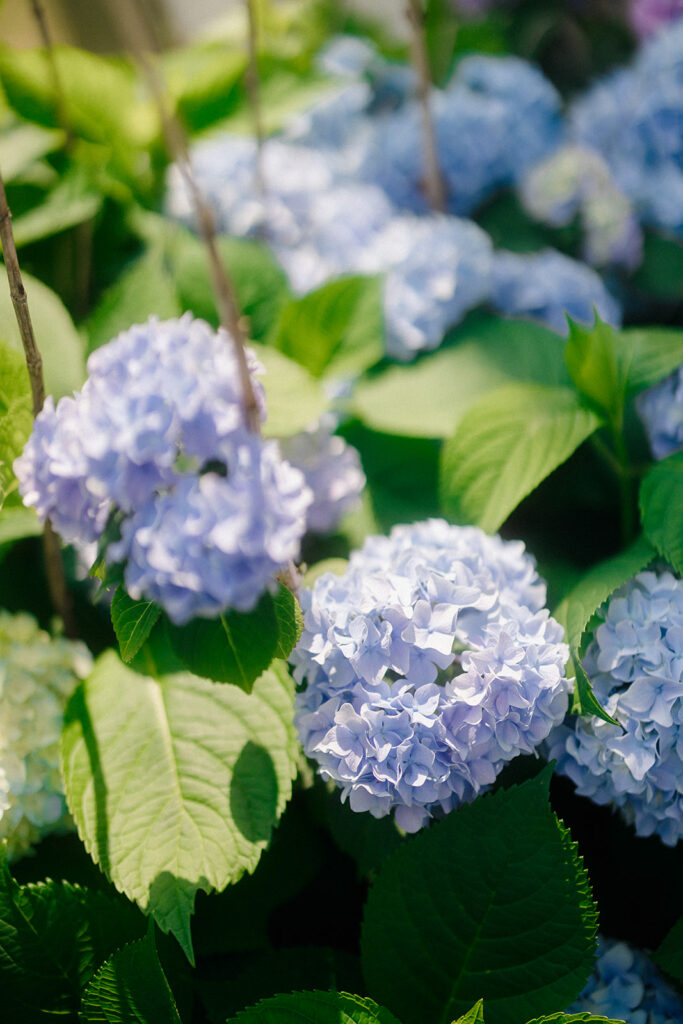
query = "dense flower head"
{"x": 576, "y": 181}
{"x": 661, "y": 410}
{"x": 429, "y": 664}
{"x": 634, "y": 119}
{"x": 38, "y": 674}
{"x": 548, "y": 286}
{"x": 157, "y": 443}
{"x": 332, "y": 471}
{"x": 635, "y": 664}
{"x": 626, "y": 985}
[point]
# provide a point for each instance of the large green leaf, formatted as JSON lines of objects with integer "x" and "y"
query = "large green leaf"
{"x": 337, "y": 329}
{"x": 294, "y": 399}
{"x": 56, "y": 337}
{"x": 315, "y": 1008}
{"x": 131, "y": 988}
{"x": 661, "y": 507}
{"x": 175, "y": 782}
{"x": 429, "y": 398}
{"x": 53, "y": 937}
{"x": 492, "y": 902}
{"x": 669, "y": 955}
{"x": 16, "y": 416}
{"x": 237, "y": 647}
{"x": 23, "y": 144}
{"x": 661, "y": 271}
{"x": 133, "y": 621}
{"x": 16, "y": 523}
{"x": 655, "y": 352}
{"x": 505, "y": 445}
{"x": 598, "y": 363}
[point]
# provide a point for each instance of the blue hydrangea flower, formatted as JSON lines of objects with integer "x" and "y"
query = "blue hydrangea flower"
{"x": 576, "y": 181}
{"x": 332, "y": 471}
{"x": 548, "y": 286}
{"x": 427, "y": 666}
{"x": 626, "y": 985}
{"x": 162, "y": 403}
{"x": 635, "y": 664}
{"x": 634, "y": 119}
{"x": 661, "y": 410}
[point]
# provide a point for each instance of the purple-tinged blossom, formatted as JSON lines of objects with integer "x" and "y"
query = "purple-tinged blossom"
{"x": 626, "y": 985}
{"x": 661, "y": 410}
{"x": 649, "y": 16}
{"x": 427, "y": 666}
{"x": 635, "y": 664}
{"x": 547, "y": 286}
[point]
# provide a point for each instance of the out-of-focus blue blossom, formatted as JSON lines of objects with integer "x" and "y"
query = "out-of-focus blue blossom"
{"x": 163, "y": 402}
{"x": 547, "y": 286}
{"x": 332, "y": 471}
{"x": 649, "y": 16}
{"x": 576, "y": 181}
{"x": 661, "y": 410}
{"x": 635, "y": 664}
{"x": 214, "y": 542}
{"x": 429, "y": 664}
{"x": 626, "y": 985}
{"x": 346, "y": 56}
{"x": 634, "y": 119}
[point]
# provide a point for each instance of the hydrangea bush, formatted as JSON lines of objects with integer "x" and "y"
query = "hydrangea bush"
{"x": 369, "y": 707}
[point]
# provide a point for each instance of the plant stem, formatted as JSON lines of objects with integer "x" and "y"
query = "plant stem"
{"x": 59, "y": 593}
{"x": 60, "y": 97}
{"x": 434, "y": 183}
{"x": 253, "y": 84}
{"x": 626, "y": 488}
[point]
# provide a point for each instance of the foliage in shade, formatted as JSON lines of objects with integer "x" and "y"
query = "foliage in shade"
{"x": 130, "y": 988}
{"x": 505, "y": 445}
{"x": 661, "y": 499}
{"x": 315, "y": 1008}
{"x": 175, "y": 782}
{"x": 669, "y": 955}
{"x": 53, "y": 937}
{"x": 482, "y": 906}
{"x": 133, "y": 621}
{"x": 474, "y": 1016}
{"x": 572, "y": 1018}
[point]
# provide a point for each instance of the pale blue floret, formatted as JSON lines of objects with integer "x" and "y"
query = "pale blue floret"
{"x": 549, "y": 286}
{"x": 635, "y": 663}
{"x": 626, "y": 985}
{"x": 427, "y": 666}
{"x": 661, "y": 410}
{"x": 634, "y": 119}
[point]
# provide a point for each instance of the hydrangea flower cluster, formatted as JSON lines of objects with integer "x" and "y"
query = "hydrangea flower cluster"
{"x": 649, "y": 16}
{"x": 633, "y": 119}
{"x": 37, "y": 676}
{"x": 661, "y": 410}
{"x": 634, "y": 663}
{"x": 576, "y": 181}
{"x": 548, "y": 286}
{"x": 626, "y": 985}
{"x": 332, "y": 471}
{"x": 156, "y": 444}
{"x": 427, "y": 666}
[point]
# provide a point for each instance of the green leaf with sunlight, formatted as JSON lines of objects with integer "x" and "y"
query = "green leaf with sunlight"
{"x": 16, "y": 417}
{"x": 315, "y": 1008}
{"x": 505, "y": 445}
{"x": 294, "y": 399}
{"x": 133, "y": 621}
{"x": 661, "y": 508}
{"x": 21, "y": 145}
{"x": 175, "y": 782}
{"x": 598, "y": 363}
{"x": 477, "y": 907}
{"x": 573, "y": 1018}
{"x": 72, "y": 201}
{"x": 474, "y": 1016}
{"x": 654, "y": 353}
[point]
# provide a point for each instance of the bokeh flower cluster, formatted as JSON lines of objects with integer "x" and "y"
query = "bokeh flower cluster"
{"x": 661, "y": 410}
{"x": 38, "y": 674}
{"x": 634, "y": 663}
{"x": 425, "y": 668}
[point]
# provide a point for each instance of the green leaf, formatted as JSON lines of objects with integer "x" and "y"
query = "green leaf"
{"x": 205, "y": 81}
{"x": 337, "y": 329}
{"x": 315, "y": 1008}
{"x": 669, "y": 955}
{"x": 490, "y": 903}
{"x": 294, "y": 399}
{"x": 72, "y": 201}
{"x": 16, "y": 417}
{"x": 131, "y": 988}
{"x": 337, "y": 566}
{"x": 505, "y": 445}
{"x": 661, "y": 501}
{"x": 661, "y": 270}
{"x": 58, "y": 340}
{"x": 237, "y": 647}
{"x": 598, "y": 363}
{"x": 133, "y": 621}
{"x": 655, "y": 352}
{"x": 174, "y": 782}
{"x": 585, "y": 702}
{"x": 429, "y": 397}
{"x": 573, "y": 1018}
{"x": 441, "y": 33}
{"x": 16, "y": 523}
{"x": 53, "y": 936}
{"x": 474, "y": 1016}
{"x": 22, "y": 145}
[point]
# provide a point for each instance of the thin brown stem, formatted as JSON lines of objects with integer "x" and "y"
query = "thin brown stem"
{"x": 434, "y": 183}
{"x": 61, "y": 106}
{"x": 59, "y": 593}
{"x": 253, "y": 83}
